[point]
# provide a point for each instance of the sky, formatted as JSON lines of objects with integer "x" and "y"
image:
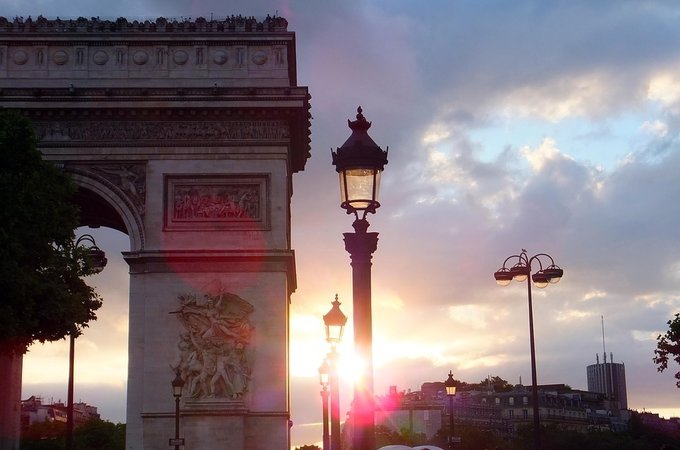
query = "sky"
{"x": 545, "y": 125}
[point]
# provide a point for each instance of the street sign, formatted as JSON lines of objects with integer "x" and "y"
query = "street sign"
{"x": 175, "y": 442}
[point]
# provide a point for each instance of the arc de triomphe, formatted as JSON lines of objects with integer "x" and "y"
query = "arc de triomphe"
{"x": 184, "y": 135}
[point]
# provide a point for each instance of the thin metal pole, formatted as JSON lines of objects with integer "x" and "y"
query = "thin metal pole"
{"x": 177, "y": 422}
{"x": 534, "y": 383}
{"x": 324, "y": 403}
{"x": 69, "y": 394}
{"x": 450, "y": 422}
{"x": 335, "y": 401}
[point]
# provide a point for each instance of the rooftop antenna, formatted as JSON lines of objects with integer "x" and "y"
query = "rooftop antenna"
{"x": 604, "y": 350}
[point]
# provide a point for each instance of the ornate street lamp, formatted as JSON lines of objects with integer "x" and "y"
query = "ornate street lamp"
{"x": 324, "y": 372}
{"x": 334, "y": 321}
{"x": 520, "y": 272}
{"x": 450, "y": 385}
{"x": 359, "y": 163}
{"x": 96, "y": 261}
{"x": 177, "y": 385}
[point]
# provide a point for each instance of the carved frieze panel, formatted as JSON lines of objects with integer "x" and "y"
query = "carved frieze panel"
{"x": 99, "y": 60}
{"x": 122, "y": 47}
{"x": 214, "y": 345}
{"x": 216, "y": 202}
{"x": 162, "y": 133}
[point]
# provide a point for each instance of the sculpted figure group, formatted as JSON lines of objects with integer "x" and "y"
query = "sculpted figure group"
{"x": 213, "y": 347}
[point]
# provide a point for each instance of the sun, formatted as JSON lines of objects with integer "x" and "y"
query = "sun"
{"x": 351, "y": 367}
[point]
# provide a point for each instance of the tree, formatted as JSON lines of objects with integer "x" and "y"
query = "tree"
{"x": 43, "y": 295}
{"x": 668, "y": 344}
{"x": 95, "y": 434}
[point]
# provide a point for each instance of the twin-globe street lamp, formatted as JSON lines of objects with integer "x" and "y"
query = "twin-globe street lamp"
{"x": 334, "y": 321}
{"x": 521, "y": 271}
{"x": 96, "y": 258}
{"x": 359, "y": 163}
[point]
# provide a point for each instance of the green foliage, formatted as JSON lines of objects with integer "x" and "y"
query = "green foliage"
{"x": 99, "y": 435}
{"x": 44, "y": 296}
{"x": 667, "y": 345}
{"x": 308, "y": 447}
{"x": 94, "y": 434}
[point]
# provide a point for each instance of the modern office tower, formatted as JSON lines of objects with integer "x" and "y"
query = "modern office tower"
{"x": 608, "y": 378}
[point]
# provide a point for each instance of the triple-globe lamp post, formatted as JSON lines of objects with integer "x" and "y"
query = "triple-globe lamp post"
{"x": 546, "y": 274}
{"x": 359, "y": 163}
{"x": 96, "y": 259}
{"x": 334, "y": 322}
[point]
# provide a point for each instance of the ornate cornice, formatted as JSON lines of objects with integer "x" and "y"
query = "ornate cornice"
{"x": 160, "y": 25}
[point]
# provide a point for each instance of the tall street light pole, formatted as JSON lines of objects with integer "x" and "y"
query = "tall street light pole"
{"x": 334, "y": 321}
{"x": 450, "y": 385}
{"x": 359, "y": 163}
{"x": 177, "y": 385}
{"x": 324, "y": 371}
{"x": 520, "y": 272}
{"x": 96, "y": 259}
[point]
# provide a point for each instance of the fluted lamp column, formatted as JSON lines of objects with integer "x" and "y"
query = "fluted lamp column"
{"x": 359, "y": 163}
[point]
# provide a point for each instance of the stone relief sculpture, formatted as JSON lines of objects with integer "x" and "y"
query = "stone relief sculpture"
{"x": 213, "y": 347}
{"x": 214, "y": 202}
{"x": 164, "y": 132}
{"x": 130, "y": 178}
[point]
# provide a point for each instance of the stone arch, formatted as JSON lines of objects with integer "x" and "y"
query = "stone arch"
{"x": 141, "y": 123}
{"x": 103, "y": 203}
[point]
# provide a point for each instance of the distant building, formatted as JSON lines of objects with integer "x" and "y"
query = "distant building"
{"x": 609, "y": 378}
{"x": 410, "y": 411}
{"x": 666, "y": 427}
{"x": 33, "y": 410}
{"x": 501, "y": 413}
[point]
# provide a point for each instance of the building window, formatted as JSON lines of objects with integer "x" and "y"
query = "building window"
{"x": 498, "y": 400}
{"x": 511, "y": 413}
{"x": 511, "y": 400}
{"x": 525, "y": 413}
{"x": 525, "y": 400}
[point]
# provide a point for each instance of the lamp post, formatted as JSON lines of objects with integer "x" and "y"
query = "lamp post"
{"x": 520, "y": 272}
{"x": 359, "y": 163}
{"x": 324, "y": 381}
{"x": 334, "y": 321}
{"x": 177, "y": 385}
{"x": 96, "y": 258}
{"x": 450, "y": 385}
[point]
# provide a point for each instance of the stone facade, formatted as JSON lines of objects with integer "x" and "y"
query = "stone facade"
{"x": 185, "y": 135}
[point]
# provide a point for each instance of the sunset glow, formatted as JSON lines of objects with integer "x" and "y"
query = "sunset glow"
{"x": 551, "y": 127}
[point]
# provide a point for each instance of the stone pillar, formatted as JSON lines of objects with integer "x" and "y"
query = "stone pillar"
{"x": 10, "y": 393}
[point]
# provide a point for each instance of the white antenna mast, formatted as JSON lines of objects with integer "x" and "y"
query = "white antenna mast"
{"x": 604, "y": 352}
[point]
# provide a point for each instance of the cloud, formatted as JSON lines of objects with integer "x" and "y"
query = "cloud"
{"x": 510, "y": 125}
